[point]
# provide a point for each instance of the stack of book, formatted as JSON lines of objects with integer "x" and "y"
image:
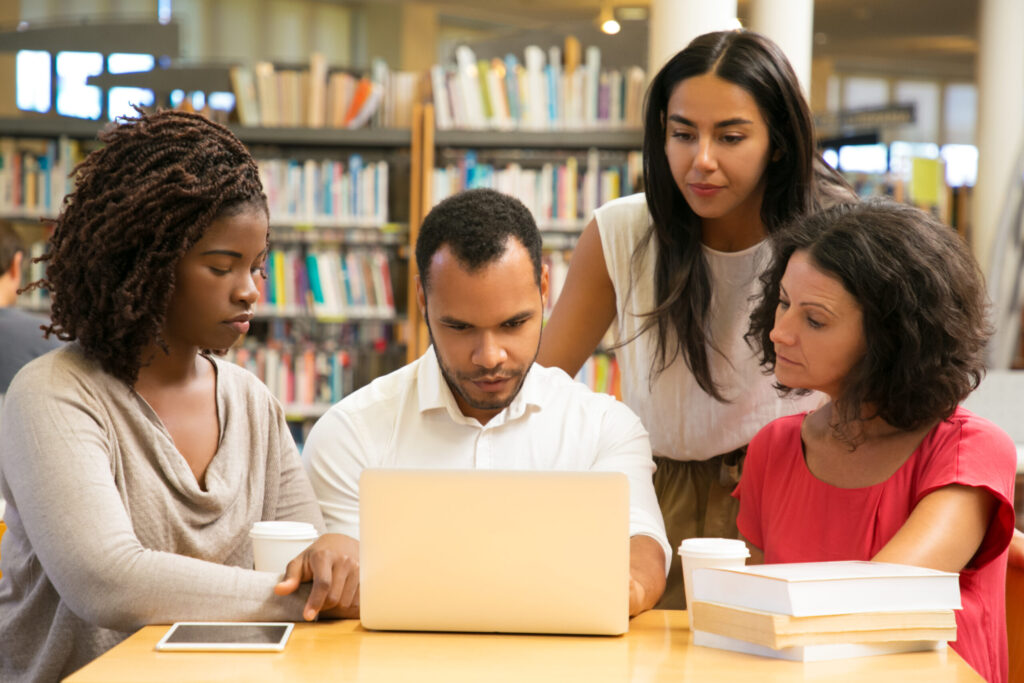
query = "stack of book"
{"x": 824, "y": 610}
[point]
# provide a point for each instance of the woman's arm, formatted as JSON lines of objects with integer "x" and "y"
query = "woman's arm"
{"x": 56, "y": 461}
{"x": 585, "y": 307}
{"x": 1016, "y": 558}
{"x": 944, "y": 531}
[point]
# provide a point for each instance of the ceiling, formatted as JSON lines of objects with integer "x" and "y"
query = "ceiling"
{"x": 927, "y": 37}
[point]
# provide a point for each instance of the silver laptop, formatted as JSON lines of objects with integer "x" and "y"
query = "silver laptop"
{"x": 494, "y": 551}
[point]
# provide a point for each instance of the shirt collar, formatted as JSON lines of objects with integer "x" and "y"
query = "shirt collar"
{"x": 435, "y": 394}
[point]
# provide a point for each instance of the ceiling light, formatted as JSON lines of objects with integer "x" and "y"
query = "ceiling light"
{"x": 606, "y": 20}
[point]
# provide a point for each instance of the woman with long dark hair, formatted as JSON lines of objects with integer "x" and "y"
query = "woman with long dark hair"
{"x": 729, "y": 156}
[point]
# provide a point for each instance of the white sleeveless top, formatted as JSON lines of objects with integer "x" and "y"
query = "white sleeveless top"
{"x": 684, "y": 422}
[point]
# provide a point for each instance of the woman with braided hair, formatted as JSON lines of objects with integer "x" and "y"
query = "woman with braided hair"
{"x": 134, "y": 462}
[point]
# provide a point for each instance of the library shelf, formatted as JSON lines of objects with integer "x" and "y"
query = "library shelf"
{"x": 603, "y": 138}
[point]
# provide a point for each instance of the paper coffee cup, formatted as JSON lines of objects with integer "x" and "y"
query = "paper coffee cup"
{"x": 275, "y": 544}
{"x": 699, "y": 553}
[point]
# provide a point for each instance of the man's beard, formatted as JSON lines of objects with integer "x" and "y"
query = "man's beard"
{"x": 455, "y": 379}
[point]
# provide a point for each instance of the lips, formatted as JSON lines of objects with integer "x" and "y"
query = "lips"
{"x": 491, "y": 383}
{"x": 704, "y": 189}
{"x": 782, "y": 359}
{"x": 240, "y": 322}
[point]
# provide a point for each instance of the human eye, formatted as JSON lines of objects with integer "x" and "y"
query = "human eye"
{"x": 457, "y": 327}
{"x": 512, "y": 324}
{"x": 683, "y": 135}
{"x": 814, "y": 323}
{"x": 733, "y": 138}
{"x": 219, "y": 271}
{"x": 783, "y": 304}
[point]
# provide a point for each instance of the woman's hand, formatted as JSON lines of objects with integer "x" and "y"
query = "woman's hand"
{"x": 332, "y": 564}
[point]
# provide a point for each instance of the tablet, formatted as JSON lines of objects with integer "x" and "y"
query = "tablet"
{"x": 218, "y": 636}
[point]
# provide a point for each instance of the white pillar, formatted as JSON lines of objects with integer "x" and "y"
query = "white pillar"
{"x": 1000, "y": 79}
{"x": 790, "y": 23}
{"x": 674, "y": 23}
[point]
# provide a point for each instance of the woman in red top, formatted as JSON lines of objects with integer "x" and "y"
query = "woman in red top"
{"x": 882, "y": 308}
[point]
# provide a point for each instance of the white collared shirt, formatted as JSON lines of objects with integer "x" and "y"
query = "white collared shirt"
{"x": 409, "y": 419}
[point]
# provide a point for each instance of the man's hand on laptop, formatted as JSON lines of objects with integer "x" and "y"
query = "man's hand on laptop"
{"x": 332, "y": 564}
{"x": 646, "y": 573}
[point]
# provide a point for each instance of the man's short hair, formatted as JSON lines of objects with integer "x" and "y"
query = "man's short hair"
{"x": 476, "y": 225}
{"x": 10, "y": 244}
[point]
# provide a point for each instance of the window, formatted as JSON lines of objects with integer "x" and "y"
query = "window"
{"x": 74, "y": 97}
{"x": 864, "y": 93}
{"x": 32, "y": 75}
{"x": 120, "y": 100}
{"x": 924, "y": 95}
{"x": 961, "y": 164}
{"x": 863, "y": 158}
{"x": 831, "y": 157}
{"x": 961, "y": 112}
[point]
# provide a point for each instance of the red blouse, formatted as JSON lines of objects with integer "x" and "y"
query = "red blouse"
{"x": 795, "y": 517}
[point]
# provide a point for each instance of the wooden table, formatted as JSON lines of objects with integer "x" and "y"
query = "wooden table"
{"x": 657, "y": 648}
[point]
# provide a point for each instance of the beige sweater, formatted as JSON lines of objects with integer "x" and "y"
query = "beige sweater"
{"x": 108, "y": 529}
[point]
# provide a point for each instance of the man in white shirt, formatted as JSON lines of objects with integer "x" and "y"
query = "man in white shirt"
{"x": 476, "y": 399}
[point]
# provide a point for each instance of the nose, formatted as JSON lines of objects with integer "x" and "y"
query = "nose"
{"x": 782, "y": 331}
{"x": 705, "y": 161}
{"x": 248, "y": 291}
{"x": 489, "y": 352}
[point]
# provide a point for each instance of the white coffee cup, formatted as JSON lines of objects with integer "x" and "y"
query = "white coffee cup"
{"x": 275, "y": 544}
{"x": 699, "y": 553}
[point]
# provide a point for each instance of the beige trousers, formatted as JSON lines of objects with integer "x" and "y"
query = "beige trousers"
{"x": 695, "y": 500}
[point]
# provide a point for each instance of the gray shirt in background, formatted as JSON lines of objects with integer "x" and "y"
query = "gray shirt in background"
{"x": 108, "y": 529}
{"x": 21, "y": 340}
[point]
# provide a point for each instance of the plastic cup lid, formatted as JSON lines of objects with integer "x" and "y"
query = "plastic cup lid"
{"x": 284, "y": 530}
{"x": 714, "y": 547}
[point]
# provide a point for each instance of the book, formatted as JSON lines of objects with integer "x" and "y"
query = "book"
{"x": 370, "y": 106}
{"x": 815, "y": 588}
{"x": 781, "y": 630}
{"x": 316, "y": 108}
{"x": 363, "y": 89}
{"x": 247, "y": 105}
{"x": 442, "y": 102}
{"x": 340, "y": 88}
{"x": 536, "y": 90}
{"x": 816, "y": 653}
{"x": 267, "y": 93}
{"x": 471, "y": 99}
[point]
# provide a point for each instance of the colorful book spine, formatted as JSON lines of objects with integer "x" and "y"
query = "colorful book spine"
{"x": 328, "y": 283}
{"x": 350, "y": 192}
{"x": 538, "y": 95}
{"x": 35, "y": 175}
{"x": 308, "y": 377}
{"x": 562, "y": 197}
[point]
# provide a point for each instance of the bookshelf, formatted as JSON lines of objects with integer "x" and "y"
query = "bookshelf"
{"x": 339, "y": 202}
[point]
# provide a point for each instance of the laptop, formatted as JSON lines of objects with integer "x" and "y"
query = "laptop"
{"x": 494, "y": 551}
